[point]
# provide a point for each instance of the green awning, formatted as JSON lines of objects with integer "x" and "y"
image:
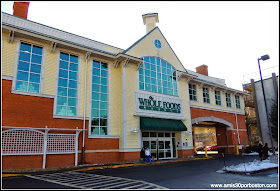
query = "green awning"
{"x": 147, "y": 123}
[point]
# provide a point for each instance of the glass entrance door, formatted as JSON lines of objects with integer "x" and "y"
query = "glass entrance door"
{"x": 161, "y": 148}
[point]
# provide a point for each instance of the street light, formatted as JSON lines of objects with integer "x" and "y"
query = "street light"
{"x": 263, "y": 58}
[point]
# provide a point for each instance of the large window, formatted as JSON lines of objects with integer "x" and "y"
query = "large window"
{"x": 237, "y": 102}
{"x": 192, "y": 92}
{"x": 29, "y": 68}
{"x": 218, "y": 98}
{"x": 99, "y": 98}
{"x": 228, "y": 100}
{"x": 156, "y": 75}
{"x": 206, "y": 96}
{"x": 67, "y": 85}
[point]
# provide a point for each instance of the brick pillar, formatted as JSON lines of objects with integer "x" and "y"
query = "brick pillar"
{"x": 21, "y": 9}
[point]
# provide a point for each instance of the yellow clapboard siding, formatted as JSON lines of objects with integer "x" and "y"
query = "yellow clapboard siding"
{"x": 8, "y": 57}
{"x": 132, "y": 121}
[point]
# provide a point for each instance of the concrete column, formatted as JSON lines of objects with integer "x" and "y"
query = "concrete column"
{"x": 275, "y": 86}
{"x": 256, "y": 108}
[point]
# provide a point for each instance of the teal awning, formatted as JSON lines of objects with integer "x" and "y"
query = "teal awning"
{"x": 147, "y": 123}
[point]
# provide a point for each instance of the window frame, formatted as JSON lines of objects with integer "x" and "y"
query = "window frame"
{"x": 237, "y": 101}
{"x": 192, "y": 90}
{"x": 161, "y": 89}
{"x": 78, "y": 87}
{"x": 207, "y": 93}
{"x": 228, "y": 99}
{"x": 42, "y": 71}
{"x": 218, "y": 96}
{"x": 90, "y": 135}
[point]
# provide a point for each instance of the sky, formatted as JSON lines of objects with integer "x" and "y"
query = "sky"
{"x": 227, "y": 36}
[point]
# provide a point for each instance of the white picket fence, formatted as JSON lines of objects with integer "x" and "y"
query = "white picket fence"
{"x": 38, "y": 141}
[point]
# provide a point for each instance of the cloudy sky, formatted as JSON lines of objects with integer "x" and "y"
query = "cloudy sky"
{"x": 227, "y": 36}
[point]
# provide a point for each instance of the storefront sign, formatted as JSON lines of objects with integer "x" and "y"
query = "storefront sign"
{"x": 150, "y": 104}
{"x": 156, "y": 105}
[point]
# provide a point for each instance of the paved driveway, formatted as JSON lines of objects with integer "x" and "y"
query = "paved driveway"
{"x": 197, "y": 174}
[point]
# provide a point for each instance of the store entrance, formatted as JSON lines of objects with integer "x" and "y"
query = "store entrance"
{"x": 161, "y": 144}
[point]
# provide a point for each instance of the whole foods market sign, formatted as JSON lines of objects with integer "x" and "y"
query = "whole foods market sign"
{"x": 165, "y": 106}
{"x": 150, "y": 104}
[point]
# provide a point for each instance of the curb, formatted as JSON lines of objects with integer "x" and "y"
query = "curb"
{"x": 252, "y": 172}
{"x": 5, "y": 175}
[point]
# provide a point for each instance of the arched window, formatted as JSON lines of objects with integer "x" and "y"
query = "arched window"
{"x": 156, "y": 75}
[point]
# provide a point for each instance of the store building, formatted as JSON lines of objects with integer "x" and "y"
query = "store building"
{"x": 70, "y": 100}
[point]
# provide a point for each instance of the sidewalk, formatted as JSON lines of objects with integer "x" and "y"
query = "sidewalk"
{"x": 86, "y": 167}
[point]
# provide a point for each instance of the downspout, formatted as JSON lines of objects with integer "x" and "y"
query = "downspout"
{"x": 236, "y": 121}
{"x": 84, "y": 121}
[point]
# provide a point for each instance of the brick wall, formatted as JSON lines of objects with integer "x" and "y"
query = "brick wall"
{"x": 185, "y": 153}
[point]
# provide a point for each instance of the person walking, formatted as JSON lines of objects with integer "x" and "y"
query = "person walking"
{"x": 260, "y": 146}
{"x": 265, "y": 151}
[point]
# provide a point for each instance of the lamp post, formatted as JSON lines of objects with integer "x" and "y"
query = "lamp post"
{"x": 263, "y": 58}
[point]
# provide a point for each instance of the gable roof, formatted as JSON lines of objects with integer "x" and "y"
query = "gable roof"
{"x": 138, "y": 41}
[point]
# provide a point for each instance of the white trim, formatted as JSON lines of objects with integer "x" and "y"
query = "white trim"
{"x": 158, "y": 49}
{"x": 16, "y": 67}
{"x": 100, "y": 151}
{"x": 109, "y": 99}
{"x": 124, "y": 106}
{"x": 130, "y": 150}
{"x": 90, "y": 61}
{"x": 69, "y": 117}
{"x": 213, "y": 109}
{"x": 212, "y": 118}
{"x": 78, "y": 98}
{"x": 237, "y": 129}
{"x": 102, "y": 137}
{"x": 42, "y": 77}
{"x": 56, "y": 83}
{"x": 4, "y": 77}
{"x": 32, "y": 94}
{"x": 190, "y": 117}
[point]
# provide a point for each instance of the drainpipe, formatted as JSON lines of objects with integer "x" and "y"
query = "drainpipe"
{"x": 85, "y": 100}
{"x": 236, "y": 121}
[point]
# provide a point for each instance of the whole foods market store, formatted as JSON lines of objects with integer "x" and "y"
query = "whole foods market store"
{"x": 160, "y": 135}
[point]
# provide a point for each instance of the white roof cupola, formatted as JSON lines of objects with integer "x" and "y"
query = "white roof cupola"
{"x": 150, "y": 20}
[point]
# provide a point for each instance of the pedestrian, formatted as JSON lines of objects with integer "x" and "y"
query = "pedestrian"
{"x": 265, "y": 151}
{"x": 260, "y": 146}
{"x": 142, "y": 153}
{"x": 148, "y": 155}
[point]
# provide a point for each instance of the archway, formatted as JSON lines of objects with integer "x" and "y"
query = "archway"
{"x": 212, "y": 133}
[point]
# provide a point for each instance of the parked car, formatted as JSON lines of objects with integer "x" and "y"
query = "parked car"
{"x": 213, "y": 148}
{"x": 199, "y": 148}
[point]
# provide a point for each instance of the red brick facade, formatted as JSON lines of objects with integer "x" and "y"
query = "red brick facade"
{"x": 185, "y": 153}
{"x": 226, "y": 136}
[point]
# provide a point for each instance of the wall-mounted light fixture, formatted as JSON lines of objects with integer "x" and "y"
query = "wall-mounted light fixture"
{"x": 133, "y": 130}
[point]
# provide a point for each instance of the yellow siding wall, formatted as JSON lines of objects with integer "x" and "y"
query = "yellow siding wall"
{"x": 183, "y": 95}
{"x": 132, "y": 121}
{"x": 8, "y": 57}
{"x": 212, "y": 104}
{"x": 51, "y": 60}
{"x": 115, "y": 101}
{"x": 146, "y": 48}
